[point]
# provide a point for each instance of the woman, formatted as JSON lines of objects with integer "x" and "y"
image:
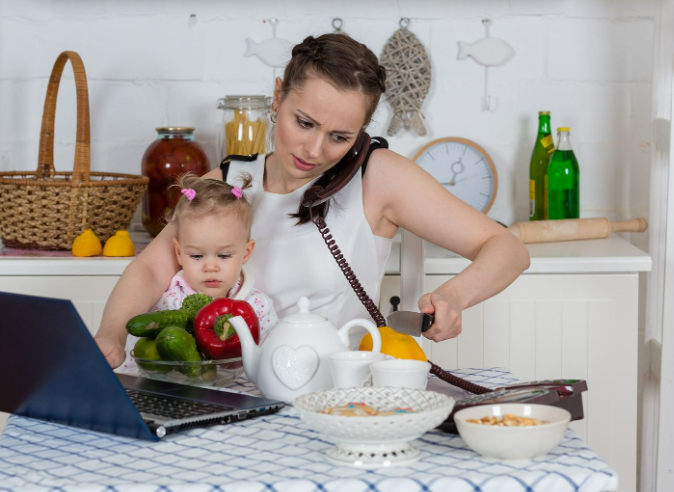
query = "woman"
{"x": 329, "y": 92}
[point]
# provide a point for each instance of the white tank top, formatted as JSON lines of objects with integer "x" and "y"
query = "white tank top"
{"x": 291, "y": 261}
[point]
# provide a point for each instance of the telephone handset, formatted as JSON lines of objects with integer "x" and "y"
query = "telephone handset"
{"x": 352, "y": 161}
{"x": 563, "y": 393}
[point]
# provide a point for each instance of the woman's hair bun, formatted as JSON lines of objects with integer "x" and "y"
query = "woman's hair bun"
{"x": 309, "y": 48}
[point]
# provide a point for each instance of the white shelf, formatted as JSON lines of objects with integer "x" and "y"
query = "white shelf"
{"x": 610, "y": 255}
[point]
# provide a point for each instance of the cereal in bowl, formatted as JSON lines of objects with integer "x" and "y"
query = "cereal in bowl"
{"x": 357, "y": 409}
{"x": 508, "y": 420}
{"x": 398, "y": 411}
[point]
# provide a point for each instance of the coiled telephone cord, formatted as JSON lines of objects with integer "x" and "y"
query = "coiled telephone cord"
{"x": 374, "y": 310}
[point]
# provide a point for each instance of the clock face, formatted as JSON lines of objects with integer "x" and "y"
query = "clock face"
{"x": 463, "y": 168}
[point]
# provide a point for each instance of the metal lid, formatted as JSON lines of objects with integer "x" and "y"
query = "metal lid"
{"x": 175, "y": 129}
{"x": 544, "y": 112}
{"x": 244, "y": 102}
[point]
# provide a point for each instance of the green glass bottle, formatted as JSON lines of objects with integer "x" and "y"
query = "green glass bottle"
{"x": 540, "y": 157}
{"x": 563, "y": 180}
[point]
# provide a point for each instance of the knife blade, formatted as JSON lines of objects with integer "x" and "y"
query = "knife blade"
{"x": 409, "y": 322}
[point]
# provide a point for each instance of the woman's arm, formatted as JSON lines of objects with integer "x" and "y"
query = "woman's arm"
{"x": 138, "y": 289}
{"x": 399, "y": 193}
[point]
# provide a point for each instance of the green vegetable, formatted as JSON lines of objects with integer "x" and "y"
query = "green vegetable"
{"x": 175, "y": 343}
{"x": 150, "y": 324}
{"x": 146, "y": 348}
{"x": 194, "y": 302}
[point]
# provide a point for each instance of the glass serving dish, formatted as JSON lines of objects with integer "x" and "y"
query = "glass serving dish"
{"x": 205, "y": 373}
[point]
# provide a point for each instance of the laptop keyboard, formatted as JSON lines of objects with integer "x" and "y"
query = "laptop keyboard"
{"x": 173, "y": 408}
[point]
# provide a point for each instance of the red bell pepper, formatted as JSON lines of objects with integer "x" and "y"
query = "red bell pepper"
{"x": 215, "y": 337}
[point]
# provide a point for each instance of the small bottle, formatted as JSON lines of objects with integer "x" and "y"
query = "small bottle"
{"x": 563, "y": 180}
{"x": 540, "y": 157}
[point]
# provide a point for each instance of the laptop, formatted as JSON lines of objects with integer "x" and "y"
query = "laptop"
{"x": 51, "y": 369}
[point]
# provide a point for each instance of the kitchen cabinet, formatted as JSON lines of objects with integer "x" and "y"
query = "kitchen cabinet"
{"x": 572, "y": 314}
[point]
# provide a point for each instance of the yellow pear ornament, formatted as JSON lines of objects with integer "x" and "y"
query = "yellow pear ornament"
{"x": 119, "y": 245}
{"x": 87, "y": 244}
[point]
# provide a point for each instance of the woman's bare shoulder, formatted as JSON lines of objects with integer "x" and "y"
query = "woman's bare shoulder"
{"x": 383, "y": 167}
{"x": 386, "y": 166}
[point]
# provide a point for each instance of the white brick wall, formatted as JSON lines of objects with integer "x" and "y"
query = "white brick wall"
{"x": 150, "y": 64}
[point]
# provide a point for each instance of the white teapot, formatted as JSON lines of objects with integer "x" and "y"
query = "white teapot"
{"x": 293, "y": 360}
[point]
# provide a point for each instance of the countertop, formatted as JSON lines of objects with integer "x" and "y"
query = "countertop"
{"x": 610, "y": 255}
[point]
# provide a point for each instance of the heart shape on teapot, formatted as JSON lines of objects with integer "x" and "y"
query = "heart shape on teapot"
{"x": 295, "y": 367}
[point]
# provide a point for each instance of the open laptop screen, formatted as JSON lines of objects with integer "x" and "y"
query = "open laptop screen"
{"x": 51, "y": 369}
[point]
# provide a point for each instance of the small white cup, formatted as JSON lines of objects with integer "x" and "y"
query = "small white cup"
{"x": 400, "y": 373}
{"x": 351, "y": 369}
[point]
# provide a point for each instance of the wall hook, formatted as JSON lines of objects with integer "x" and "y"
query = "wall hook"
{"x": 489, "y": 52}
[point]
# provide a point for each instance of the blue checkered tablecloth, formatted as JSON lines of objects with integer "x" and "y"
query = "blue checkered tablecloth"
{"x": 275, "y": 453}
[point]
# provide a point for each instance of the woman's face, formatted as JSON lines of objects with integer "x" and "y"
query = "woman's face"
{"x": 315, "y": 127}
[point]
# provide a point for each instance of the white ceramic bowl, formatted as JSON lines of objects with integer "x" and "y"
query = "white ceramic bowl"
{"x": 513, "y": 443}
{"x": 402, "y": 373}
{"x": 370, "y": 442}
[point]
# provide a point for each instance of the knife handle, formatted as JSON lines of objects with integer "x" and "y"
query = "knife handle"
{"x": 427, "y": 322}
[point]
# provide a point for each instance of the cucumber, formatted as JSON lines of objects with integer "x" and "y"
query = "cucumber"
{"x": 148, "y": 325}
{"x": 174, "y": 343}
{"x": 146, "y": 348}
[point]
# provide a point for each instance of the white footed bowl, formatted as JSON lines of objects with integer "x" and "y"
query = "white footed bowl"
{"x": 371, "y": 442}
{"x": 513, "y": 443}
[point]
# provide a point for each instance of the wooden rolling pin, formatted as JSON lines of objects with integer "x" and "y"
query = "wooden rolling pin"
{"x": 545, "y": 231}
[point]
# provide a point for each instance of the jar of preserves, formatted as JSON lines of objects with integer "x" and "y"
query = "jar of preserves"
{"x": 244, "y": 125}
{"x": 173, "y": 153}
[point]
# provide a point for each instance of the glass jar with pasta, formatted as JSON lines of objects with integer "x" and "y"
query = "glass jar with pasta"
{"x": 244, "y": 126}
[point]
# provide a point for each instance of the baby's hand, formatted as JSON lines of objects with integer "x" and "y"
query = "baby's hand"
{"x": 112, "y": 350}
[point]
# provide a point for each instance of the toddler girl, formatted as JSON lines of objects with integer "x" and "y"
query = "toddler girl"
{"x": 213, "y": 222}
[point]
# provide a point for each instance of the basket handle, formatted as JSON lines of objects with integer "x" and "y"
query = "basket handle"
{"x": 45, "y": 164}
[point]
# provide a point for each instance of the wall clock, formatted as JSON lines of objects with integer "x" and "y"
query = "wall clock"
{"x": 462, "y": 167}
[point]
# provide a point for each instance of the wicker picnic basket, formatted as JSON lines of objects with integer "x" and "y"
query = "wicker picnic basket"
{"x": 46, "y": 209}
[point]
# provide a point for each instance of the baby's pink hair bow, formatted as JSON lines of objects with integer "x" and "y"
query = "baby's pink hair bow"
{"x": 237, "y": 192}
{"x": 189, "y": 193}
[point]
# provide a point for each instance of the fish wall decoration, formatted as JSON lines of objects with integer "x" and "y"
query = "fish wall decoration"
{"x": 408, "y": 79}
{"x": 489, "y": 52}
{"x": 274, "y": 52}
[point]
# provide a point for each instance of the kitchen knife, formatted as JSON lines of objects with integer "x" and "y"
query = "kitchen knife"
{"x": 409, "y": 322}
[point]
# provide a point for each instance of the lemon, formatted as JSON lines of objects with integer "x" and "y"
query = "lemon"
{"x": 119, "y": 245}
{"x": 87, "y": 244}
{"x": 395, "y": 344}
